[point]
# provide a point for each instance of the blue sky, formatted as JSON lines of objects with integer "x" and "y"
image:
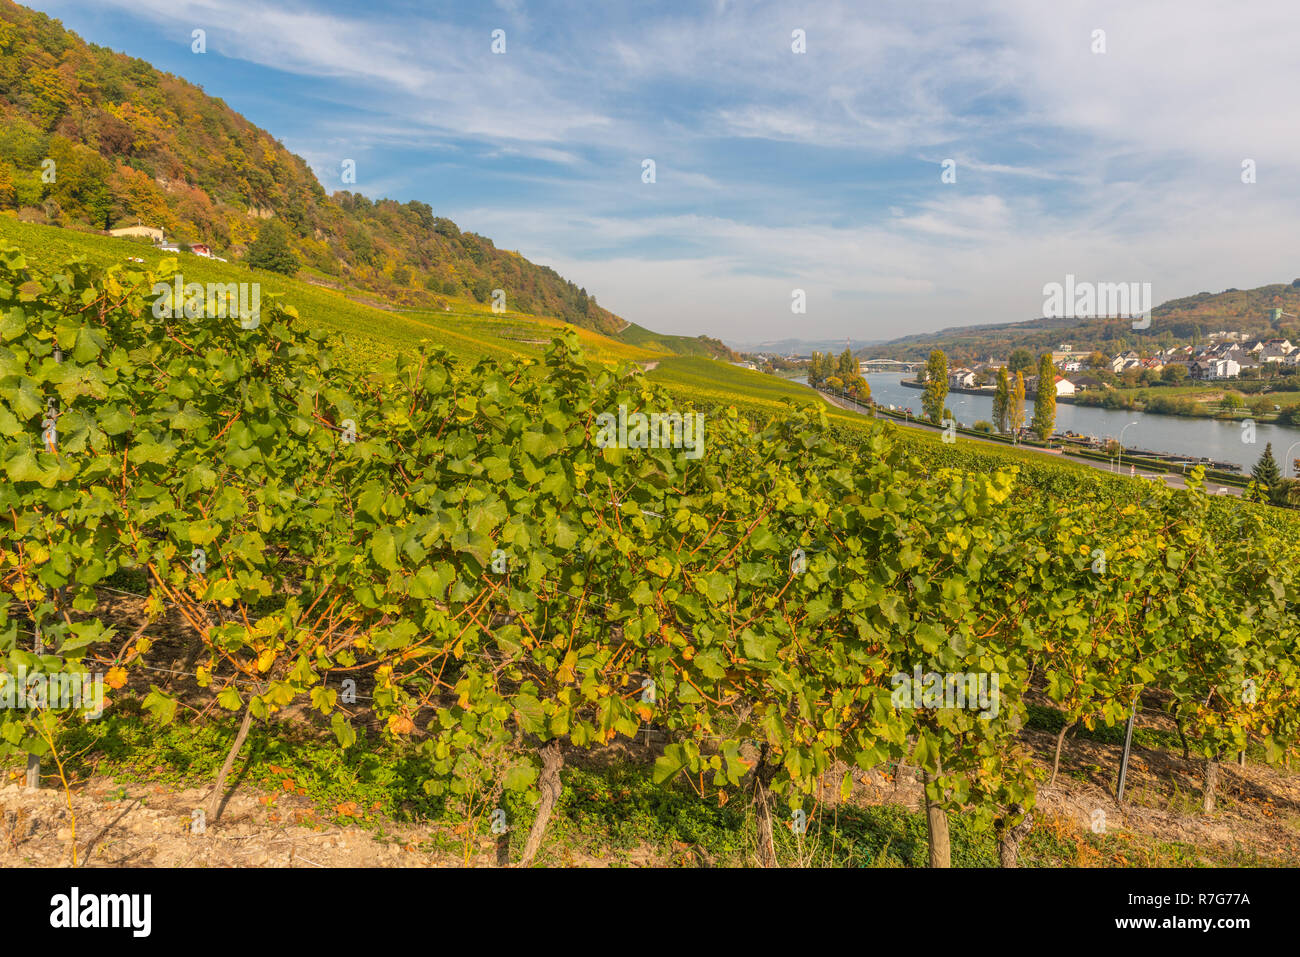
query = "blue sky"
{"x": 775, "y": 170}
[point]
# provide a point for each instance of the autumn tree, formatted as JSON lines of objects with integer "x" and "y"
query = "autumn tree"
{"x": 1002, "y": 402}
{"x": 1017, "y": 411}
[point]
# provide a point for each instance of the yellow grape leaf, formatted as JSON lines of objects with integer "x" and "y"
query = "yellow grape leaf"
{"x": 565, "y": 672}
{"x": 400, "y": 724}
{"x": 116, "y": 677}
{"x": 265, "y": 660}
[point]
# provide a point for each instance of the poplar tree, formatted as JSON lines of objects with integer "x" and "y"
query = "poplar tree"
{"x": 1002, "y": 402}
{"x": 936, "y": 386}
{"x": 1045, "y": 400}
{"x": 1018, "y": 403}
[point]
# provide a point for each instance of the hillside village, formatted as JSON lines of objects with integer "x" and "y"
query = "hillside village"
{"x": 1226, "y": 355}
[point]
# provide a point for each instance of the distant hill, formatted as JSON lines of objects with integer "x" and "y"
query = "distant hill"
{"x": 803, "y": 347}
{"x": 1248, "y": 311}
{"x": 682, "y": 345}
{"x": 132, "y": 144}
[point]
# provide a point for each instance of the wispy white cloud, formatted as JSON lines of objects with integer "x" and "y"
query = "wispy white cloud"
{"x": 819, "y": 169}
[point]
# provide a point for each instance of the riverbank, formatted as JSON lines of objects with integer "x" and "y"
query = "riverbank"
{"x": 1174, "y": 401}
{"x": 1139, "y": 466}
{"x": 1166, "y": 466}
{"x": 987, "y": 391}
{"x": 1194, "y": 439}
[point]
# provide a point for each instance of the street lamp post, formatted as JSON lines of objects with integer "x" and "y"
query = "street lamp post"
{"x": 1121, "y": 444}
{"x": 1289, "y": 459}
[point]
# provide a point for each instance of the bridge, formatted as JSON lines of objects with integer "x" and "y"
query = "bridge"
{"x": 887, "y": 365}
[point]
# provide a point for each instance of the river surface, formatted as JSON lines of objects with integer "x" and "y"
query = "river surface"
{"x": 1221, "y": 441}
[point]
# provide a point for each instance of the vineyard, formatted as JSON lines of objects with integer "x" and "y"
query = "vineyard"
{"x": 360, "y": 330}
{"x": 439, "y": 559}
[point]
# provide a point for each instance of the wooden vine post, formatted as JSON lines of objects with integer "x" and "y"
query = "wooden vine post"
{"x": 1128, "y": 746}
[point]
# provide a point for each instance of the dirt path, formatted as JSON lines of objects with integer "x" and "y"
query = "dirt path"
{"x": 143, "y": 825}
{"x": 155, "y": 826}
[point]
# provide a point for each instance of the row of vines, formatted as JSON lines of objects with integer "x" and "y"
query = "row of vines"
{"x": 456, "y": 544}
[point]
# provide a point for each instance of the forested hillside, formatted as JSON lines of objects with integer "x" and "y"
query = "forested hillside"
{"x": 131, "y": 144}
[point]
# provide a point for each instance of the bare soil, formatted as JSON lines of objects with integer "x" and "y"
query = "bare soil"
{"x": 1257, "y": 819}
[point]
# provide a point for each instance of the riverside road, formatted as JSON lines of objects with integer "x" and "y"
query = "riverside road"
{"x": 1172, "y": 479}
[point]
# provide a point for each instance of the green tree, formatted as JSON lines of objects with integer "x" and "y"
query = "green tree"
{"x": 270, "y": 250}
{"x": 936, "y": 386}
{"x": 1266, "y": 476}
{"x": 1002, "y": 401}
{"x": 1022, "y": 360}
{"x": 1287, "y": 492}
{"x": 1045, "y": 400}
{"x": 848, "y": 366}
{"x": 816, "y": 371}
{"x": 1173, "y": 374}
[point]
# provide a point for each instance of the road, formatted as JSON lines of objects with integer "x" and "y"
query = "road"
{"x": 1172, "y": 479}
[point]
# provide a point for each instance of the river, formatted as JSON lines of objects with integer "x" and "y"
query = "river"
{"x": 1221, "y": 441}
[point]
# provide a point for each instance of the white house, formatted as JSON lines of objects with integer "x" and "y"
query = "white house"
{"x": 1064, "y": 386}
{"x": 1125, "y": 360}
{"x": 961, "y": 379}
{"x": 1220, "y": 369}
